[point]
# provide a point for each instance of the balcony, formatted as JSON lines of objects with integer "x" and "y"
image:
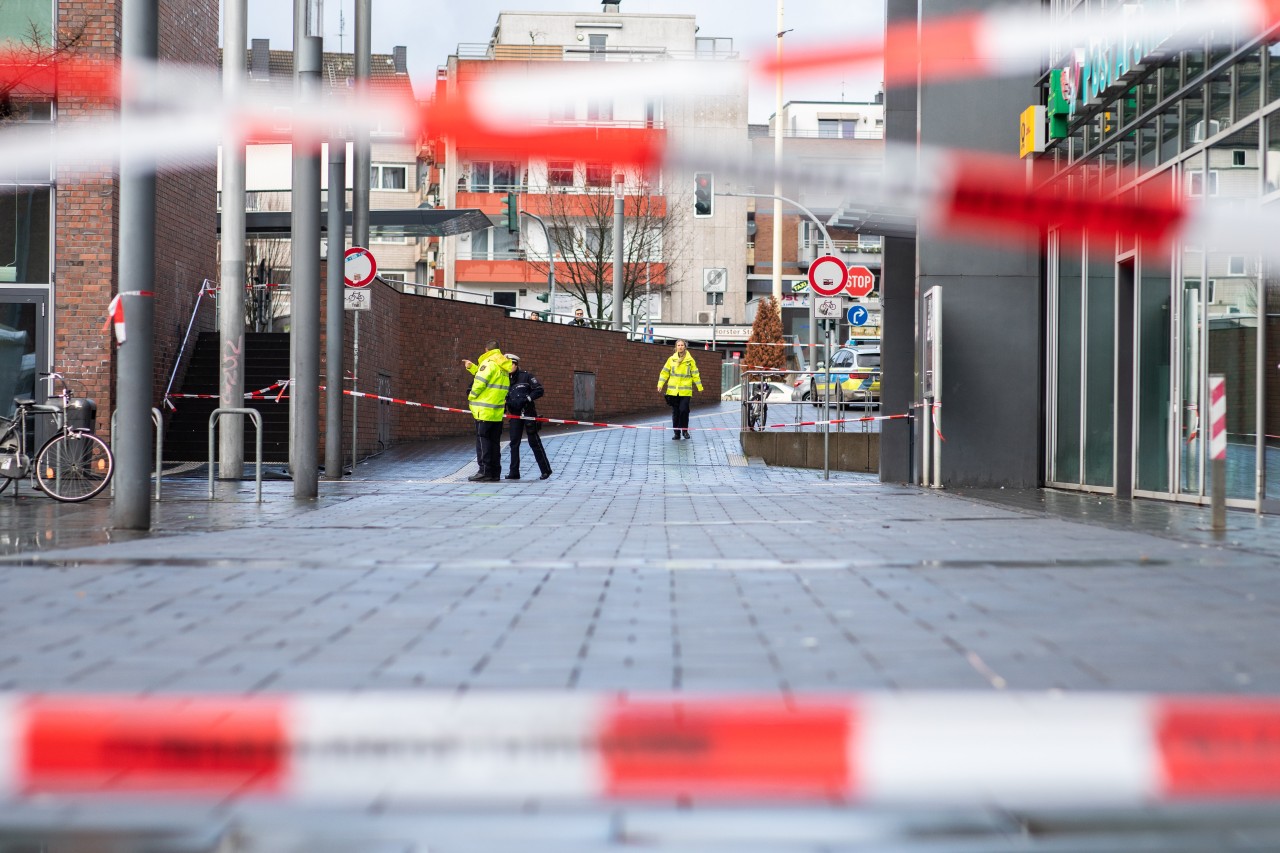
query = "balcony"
{"x": 863, "y": 252}
{"x": 587, "y": 53}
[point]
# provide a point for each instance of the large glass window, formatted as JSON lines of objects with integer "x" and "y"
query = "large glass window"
{"x": 17, "y": 353}
{"x": 1271, "y": 416}
{"x": 24, "y": 235}
{"x": 1193, "y": 125}
{"x": 1153, "y": 369}
{"x": 493, "y": 176}
{"x": 1192, "y": 412}
{"x": 1219, "y": 104}
{"x": 1100, "y": 363}
{"x": 1170, "y": 132}
{"x": 27, "y": 22}
{"x": 1248, "y": 84}
{"x": 1069, "y": 396}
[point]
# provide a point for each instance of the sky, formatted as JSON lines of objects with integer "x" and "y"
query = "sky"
{"x": 432, "y": 29}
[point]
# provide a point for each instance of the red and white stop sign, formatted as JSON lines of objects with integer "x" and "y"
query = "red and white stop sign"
{"x": 861, "y": 282}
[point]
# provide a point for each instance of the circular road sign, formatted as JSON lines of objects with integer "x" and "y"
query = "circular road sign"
{"x": 858, "y": 315}
{"x": 828, "y": 276}
{"x": 861, "y": 282}
{"x": 360, "y": 267}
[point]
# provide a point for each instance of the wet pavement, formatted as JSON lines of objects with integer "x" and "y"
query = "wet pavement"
{"x": 643, "y": 564}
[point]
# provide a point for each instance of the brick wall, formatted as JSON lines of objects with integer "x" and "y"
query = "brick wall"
{"x": 421, "y": 342}
{"x": 87, "y": 209}
{"x": 186, "y": 200}
{"x": 86, "y": 202}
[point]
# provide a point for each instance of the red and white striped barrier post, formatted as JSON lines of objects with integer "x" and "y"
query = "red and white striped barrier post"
{"x": 1218, "y": 450}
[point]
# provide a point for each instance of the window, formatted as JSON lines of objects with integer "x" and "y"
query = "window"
{"x": 505, "y": 298}
{"x": 560, "y": 173}
{"x": 598, "y": 42}
{"x": 1237, "y": 158}
{"x": 600, "y": 109}
{"x": 393, "y": 276}
{"x": 387, "y": 177}
{"x": 1235, "y": 265}
{"x": 1196, "y": 183}
{"x": 496, "y": 176}
{"x": 599, "y": 175}
{"x": 837, "y": 128}
{"x": 563, "y": 241}
{"x": 24, "y": 234}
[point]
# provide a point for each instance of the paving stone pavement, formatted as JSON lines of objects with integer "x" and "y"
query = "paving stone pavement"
{"x": 643, "y": 564}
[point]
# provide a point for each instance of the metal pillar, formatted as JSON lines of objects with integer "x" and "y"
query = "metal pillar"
{"x": 619, "y": 202}
{"x": 131, "y": 506}
{"x": 551, "y": 266}
{"x": 361, "y": 163}
{"x": 337, "y": 233}
{"x": 304, "y": 280}
{"x": 778, "y": 129}
{"x": 231, "y": 294}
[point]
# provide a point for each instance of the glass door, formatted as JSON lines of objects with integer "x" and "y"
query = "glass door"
{"x": 23, "y": 349}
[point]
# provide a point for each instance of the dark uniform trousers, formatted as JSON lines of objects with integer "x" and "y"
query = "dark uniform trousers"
{"x": 523, "y": 428}
{"x": 489, "y": 447}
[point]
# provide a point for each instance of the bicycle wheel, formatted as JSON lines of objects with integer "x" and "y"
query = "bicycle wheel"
{"x": 74, "y": 466}
{"x": 4, "y": 483}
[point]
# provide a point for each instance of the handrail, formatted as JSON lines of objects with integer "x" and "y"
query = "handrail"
{"x": 215, "y": 416}
{"x": 157, "y": 420}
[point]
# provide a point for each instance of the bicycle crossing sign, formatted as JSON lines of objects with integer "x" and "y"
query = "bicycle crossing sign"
{"x": 357, "y": 299}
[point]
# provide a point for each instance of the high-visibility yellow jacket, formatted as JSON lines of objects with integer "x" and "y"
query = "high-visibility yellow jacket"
{"x": 680, "y": 375}
{"x": 488, "y": 397}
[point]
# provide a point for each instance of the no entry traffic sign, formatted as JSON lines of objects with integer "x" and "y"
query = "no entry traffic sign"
{"x": 359, "y": 268}
{"x": 828, "y": 276}
{"x": 861, "y": 282}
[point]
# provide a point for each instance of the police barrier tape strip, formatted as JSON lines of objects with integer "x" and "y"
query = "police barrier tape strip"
{"x": 569, "y": 422}
{"x": 989, "y": 748}
{"x": 260, "y": 394}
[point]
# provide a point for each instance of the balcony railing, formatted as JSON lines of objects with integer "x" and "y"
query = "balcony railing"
{"x": 587, "y": 53}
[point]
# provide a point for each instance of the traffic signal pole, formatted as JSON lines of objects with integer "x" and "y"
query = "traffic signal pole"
{"x": 551, "y": 265}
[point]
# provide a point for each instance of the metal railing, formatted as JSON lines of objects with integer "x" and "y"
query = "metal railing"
{"x": 157, "y": 421}
{"x": 215, "y": 416}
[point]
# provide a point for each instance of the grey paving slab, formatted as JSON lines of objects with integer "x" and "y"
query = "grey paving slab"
{"x": 642, "y": 564}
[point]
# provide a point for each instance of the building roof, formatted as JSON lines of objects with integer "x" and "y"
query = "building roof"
{"x": 337, "y": 70}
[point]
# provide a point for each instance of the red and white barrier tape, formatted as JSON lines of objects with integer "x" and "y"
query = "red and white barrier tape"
{"x": 1217, "y": 417}
{"x": 1001, "y": 748}
{"x": 569, "y": 422}
{"x": 260, "y": 394}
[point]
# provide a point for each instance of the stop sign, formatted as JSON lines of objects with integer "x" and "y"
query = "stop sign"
{"x": 861, "y": 282}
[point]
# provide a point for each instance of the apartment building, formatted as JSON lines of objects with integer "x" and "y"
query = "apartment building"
{"x": 395, "y": 175}
{"x": 671, "y": 252}
{"x": 833, "y": 134}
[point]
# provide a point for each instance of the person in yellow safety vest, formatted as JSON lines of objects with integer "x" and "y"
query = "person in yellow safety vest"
{"x": 488, "y": 404}
{"x": 680, "y": 374}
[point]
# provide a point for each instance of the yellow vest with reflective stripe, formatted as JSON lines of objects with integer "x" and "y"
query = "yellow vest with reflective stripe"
{"x": 680, "y": 375}
{"x": 488, "y": 397}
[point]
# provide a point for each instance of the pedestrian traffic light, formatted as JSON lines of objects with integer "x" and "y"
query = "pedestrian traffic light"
{"x": 704, "y": 185}
{"x": 511, "y": 212}
{"x": 543, "y": 297}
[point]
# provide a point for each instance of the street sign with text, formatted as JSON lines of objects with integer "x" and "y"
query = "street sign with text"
{"x": 861, "y": 281}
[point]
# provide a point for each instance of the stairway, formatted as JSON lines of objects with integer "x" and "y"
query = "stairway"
{"x": 266, "y": 360}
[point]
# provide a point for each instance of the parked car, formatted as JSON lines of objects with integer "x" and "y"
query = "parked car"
{"x": 855, "y": 378}
{"x": 778, "y": 392}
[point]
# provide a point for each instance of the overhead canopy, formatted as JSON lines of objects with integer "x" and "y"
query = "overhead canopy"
{"x": 883, "y": 221}
{"x": 410, "y": 222}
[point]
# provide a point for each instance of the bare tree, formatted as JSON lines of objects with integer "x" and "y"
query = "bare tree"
{"x": 581, "y": 231}
{"x": 31, "y": 62}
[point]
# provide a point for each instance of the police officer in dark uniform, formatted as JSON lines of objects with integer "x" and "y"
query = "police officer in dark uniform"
{"x": 525, "y": 388}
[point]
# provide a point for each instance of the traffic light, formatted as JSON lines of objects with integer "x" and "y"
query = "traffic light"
{"x": 704, "y": 188}
{"x": 543, "y": 297}
{"x": 511, "y": 212}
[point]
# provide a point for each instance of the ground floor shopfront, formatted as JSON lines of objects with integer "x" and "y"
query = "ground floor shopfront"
{"x": 1134, "y": 334}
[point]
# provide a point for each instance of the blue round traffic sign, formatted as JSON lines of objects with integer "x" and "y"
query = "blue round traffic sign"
{"x": 858, "y": 315}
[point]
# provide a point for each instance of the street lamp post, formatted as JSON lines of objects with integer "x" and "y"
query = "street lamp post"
{"x": 619, "y": 199}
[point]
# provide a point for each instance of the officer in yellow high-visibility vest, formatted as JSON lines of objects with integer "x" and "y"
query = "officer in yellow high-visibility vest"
{"x": 680, "y": 375}
{"x": 488, "y": 403}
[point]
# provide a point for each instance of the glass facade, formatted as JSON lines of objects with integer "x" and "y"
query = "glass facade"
{"x": 1149, "y": 322}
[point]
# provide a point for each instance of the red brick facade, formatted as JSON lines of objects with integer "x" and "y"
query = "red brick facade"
{"x": 420, "y": 343}
{"x": 87, "y": 211}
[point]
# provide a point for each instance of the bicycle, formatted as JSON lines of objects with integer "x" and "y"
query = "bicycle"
{"x": 757, "y": 408}
{"x": 72, "y": 466}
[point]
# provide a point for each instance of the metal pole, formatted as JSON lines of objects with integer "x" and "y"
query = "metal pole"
{"x": 305, "y": 276}
{"x": 361, "y": 163}
{"x": 778, "y": 129}
{"x": 618, "y": 202}
{"x": 360, "y": 151}
{"x": 337, "y": 232}
{"x": 551, "y": 264}
{"x": 826, "y": 425}
{"x": 131, "y": 506}
{"x": 231, "y": 294}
